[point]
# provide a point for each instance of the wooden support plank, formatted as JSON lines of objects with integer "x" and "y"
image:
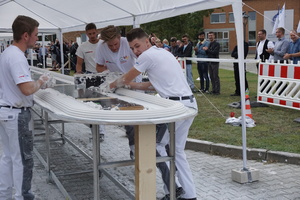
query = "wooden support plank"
{"x": 145, "y": 162}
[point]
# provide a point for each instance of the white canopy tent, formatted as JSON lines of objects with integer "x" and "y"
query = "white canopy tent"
{"x": 58, "y": 16}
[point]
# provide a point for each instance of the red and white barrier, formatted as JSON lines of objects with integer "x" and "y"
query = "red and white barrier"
{"x": 279, "y": 84}
{"x": 182, "y": 62}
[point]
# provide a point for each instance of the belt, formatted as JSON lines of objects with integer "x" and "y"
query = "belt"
{"x": 12, "y": 107}
{"x": 181, "y": 98}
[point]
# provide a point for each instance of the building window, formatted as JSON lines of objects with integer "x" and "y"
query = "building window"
{"x": 231, "y": 18}
{"x": 252, "y": 28}
{"x": 216, "y": 18}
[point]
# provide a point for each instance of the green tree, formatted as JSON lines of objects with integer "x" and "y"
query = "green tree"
{"x": 190, "y": 24}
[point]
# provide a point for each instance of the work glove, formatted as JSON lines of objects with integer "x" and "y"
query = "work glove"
{"x": 48, "y": 80}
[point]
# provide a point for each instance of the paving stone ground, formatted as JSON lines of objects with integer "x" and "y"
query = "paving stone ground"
{"x": 212, "y": 174}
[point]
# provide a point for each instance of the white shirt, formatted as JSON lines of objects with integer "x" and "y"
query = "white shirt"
{"x": 87, "y": 52}
{"x": 164, "y": 72}
{"x": 260, "y": 47}
{"x": 121, "y": 61}
{"x": 14, "y": 69}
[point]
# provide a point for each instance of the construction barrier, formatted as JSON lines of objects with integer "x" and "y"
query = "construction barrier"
{"x": 182, "y": 62}
{"x": 279, "y": 84}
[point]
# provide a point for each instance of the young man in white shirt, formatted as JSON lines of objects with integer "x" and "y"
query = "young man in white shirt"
{"x": 16, "y": 98}
{"x": 86, "y": 53}
{"x": 170, "y": 84}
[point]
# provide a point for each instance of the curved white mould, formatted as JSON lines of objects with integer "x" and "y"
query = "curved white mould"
{"x": 61, "y": 77}
{"x": 62, "y": 104}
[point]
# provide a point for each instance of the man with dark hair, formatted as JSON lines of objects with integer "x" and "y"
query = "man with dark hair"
{"x": 16, "y": 98}
{"x": 202, "y": 66}
{"x": 261, "y": 47}
{"x": 174, "y": 47}
{"x": 186, "y": 50}
{"x": 170, "y": 84}
{"x": 213, "y": 67}
{"x": 86, "y": 53}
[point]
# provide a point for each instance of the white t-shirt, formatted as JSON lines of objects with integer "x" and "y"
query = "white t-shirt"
{"x": 121, "y": 61}
{"x": 87, "y": 52}
{"x": 14, "y": 69}
{"x": 164, "y": 72}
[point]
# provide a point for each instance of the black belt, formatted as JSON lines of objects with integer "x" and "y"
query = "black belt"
{"x": 181, "y": 98}
{"x": 14, "y": 107}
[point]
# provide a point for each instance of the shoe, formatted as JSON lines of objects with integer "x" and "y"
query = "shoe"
{"x": 179, "y": 192}
{"x": 101, "y": 137}
{"x": 187, "y": 199}
{"x": 235, "y": 94}
{"x": 131, "y": 155}
{"x": 194, "y": 90}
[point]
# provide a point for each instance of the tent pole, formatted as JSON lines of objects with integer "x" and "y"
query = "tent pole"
{"x": 240, "y": 42}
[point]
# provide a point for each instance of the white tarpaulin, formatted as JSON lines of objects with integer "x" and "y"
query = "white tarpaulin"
{"x": 72, "y": 15}
{"x": 59, "y": 16}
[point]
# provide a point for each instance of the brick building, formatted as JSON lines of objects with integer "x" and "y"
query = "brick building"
{"x": 258, "y": 15}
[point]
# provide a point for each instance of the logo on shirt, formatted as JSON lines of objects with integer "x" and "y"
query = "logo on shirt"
{"x": 124, "y": 59}
{"x": 109, "y": 62}
{"x": 89, "y": 52}
{"x": 23, "y": 76}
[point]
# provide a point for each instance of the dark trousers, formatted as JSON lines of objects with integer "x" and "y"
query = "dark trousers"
{"x": 213, "y": 69}
{"x": 237, "y": 78}
{"x": 203, "y": 74}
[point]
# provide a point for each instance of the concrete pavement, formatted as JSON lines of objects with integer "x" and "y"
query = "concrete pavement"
{"x": 212, "y": 174}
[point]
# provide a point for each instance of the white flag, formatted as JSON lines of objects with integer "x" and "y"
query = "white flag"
{"x": 279, "y": 19}
{"x": 298, "y": 29}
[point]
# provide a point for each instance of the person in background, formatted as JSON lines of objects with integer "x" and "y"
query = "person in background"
{"x": 16, "y": 98}
{"x": 236, "y": 70}
{"x": 202, "y": 66}
{"x": 174, "y": 46}
{"x": 86, "y": 53}
{"x": 43, "y": 54}
{"x": 261, "y": 47}
{"x": 166, "y": 45}
{"x": 73, "y": 58}
{"x": 186, "y": 50}
{"x": 294, "y": 50}
{"x": 281, "y": 46}
{"x": 213, "y": 51}
{"x": 170, "y": 84}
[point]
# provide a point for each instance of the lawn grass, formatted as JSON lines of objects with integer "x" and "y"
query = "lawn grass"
{"x": 275, "y": 129}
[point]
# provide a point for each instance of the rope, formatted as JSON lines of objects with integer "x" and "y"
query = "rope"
{"x": 209, "y": 101}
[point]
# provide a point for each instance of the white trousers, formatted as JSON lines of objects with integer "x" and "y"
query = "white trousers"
{"x": 183, "y": 173}
{"x": 16, "y": 161}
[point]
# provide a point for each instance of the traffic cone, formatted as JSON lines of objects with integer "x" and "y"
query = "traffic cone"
{"x": 248, "y": 107}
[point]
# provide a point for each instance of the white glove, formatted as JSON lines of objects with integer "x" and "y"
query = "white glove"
{"x": 48, "y": 80}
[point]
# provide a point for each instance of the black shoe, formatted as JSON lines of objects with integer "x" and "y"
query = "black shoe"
{"x": 187, "y": 199}
{"x": 131, "y": 155}
{"x": 179, "y": 192}
{"x": 101, "y": 137}
{"x": 235, "y": 94}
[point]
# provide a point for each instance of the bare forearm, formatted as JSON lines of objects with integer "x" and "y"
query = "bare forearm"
{"x": 31, "y": 87}
{"x": 100, "y": 68}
